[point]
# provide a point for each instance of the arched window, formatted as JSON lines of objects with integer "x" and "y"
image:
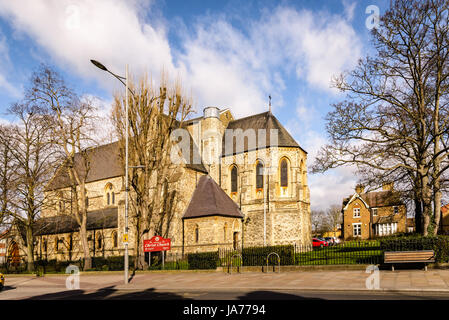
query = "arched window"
{"x": 197, "y": 234}
{"x": 56, "y": 244}
{"x": 114, "y": 239}
{"x": 234, "y": 179}
{"x": 70, "y": 241}
{"x": 259, "y": 175}
{"x": 110, "y": 195}
{"x": 284, "y": 173}
{"x": 45, "y": 245}
{"x": 225, "y": 231}
{"x": 99, "y": 242}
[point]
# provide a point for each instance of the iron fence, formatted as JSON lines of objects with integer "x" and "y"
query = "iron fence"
{"x": 348, "y": 252}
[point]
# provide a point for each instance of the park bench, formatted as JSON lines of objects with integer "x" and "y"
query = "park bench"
{"x": 423, "y": 256}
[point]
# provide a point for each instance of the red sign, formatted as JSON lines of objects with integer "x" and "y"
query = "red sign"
{"x": 157, "y": 243}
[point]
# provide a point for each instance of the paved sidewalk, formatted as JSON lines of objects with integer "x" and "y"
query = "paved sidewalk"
{"x": 401, "y": 280}
{"x": 434, "y": 280}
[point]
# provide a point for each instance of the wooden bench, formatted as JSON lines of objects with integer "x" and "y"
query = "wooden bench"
{"x": 422, "y": 256}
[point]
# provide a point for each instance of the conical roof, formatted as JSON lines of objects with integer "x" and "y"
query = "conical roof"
{"x": 209, "y": 199}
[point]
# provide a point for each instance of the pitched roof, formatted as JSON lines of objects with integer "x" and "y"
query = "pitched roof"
{"x": 265, "y": 120}
{"x": 98, "y": 219}
{"x": 105, "y": 163}
{"x": 376, "y": 199}
{"x": 209, "y": 199}
{"x": 382, "y": 198}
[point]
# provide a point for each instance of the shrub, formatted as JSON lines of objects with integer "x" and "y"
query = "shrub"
{"x": 440, "y": 244}
{"x": 257, "y": 256}
{"x": 203, "y": 260}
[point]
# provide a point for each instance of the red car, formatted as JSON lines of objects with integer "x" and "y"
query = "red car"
{"x": 319, "y": 243}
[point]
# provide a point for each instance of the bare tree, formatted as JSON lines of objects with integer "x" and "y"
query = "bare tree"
{"x": 7, "y": 175}
{"x": 72, "y": 122}
{"x": 395, "y": 118}
{"x": 154, "y": 112}
{"x": 333, "y": 218}
{"x": 32, "y": 151}
{"x": 318, "y": 221}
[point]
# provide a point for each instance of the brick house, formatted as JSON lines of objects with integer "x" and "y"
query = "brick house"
{"x": 373, "y": 214}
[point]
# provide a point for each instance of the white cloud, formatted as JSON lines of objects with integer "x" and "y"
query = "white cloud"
{"x": 223, "y": 65}
{"x": 112, "y": 32}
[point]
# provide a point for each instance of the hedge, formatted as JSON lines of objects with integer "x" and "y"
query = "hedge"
{"x": 203, "y": 260}
{"x": 257, "y": 256}
{"x": 440, "y": 244}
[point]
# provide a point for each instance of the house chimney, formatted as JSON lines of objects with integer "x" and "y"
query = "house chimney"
{"x": 387, "y": 186}
{"x": 360, "y": 188}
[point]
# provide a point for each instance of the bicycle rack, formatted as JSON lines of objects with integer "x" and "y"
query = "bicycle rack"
{"x": 279, "y": 261}
{"x": 241, "y": 259}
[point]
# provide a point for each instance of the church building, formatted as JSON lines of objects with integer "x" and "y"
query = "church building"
{"x": 248, "y": 189}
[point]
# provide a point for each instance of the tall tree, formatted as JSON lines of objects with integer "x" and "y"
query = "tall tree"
{"x": 7, "y": 175}
{"x": 395, "y": 118}
{"x": 32, "y": 151}
{"x": 73, "y": 130}
{"x": 154, "y": 113}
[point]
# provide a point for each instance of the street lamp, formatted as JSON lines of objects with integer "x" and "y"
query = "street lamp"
{"x": 125, "y": 236}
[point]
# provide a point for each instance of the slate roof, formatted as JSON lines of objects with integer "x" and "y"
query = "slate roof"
{"x": 209, "y": 199}
{"x": 98, "y": 219}
{"x": 105, "y": 163}
{"x": 265, "y": 120}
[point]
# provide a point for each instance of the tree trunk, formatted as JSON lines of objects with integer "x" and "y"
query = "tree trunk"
{"x": 85, "y": 245}
{"x": 437, "y": 207}
{"x": 30, "y": 248}
{"x": 418, "y": 216}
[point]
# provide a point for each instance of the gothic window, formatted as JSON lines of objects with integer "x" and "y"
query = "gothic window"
{"x": 114, "y": 239}
{"x": 197, "y": 234}
{"x": 234, "y": 179}
{"x": 70, "y": 241}
{"x": 284, "y": 173}
{"x": 110, "y": 195}
{"x": 99, "y": 242}
{"x": 259, "y": 175}
{"x": 56, "y": 244}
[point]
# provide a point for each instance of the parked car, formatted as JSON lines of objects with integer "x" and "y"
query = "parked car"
{"x": 2, "y": 281}
{"x": 330, "y": 240}
{"x": 317, "y": 242}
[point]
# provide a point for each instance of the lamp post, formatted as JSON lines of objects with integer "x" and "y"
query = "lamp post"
{"x": 125, "y": 235}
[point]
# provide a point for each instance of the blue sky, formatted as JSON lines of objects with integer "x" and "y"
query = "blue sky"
{"x": 229, "y": 54}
